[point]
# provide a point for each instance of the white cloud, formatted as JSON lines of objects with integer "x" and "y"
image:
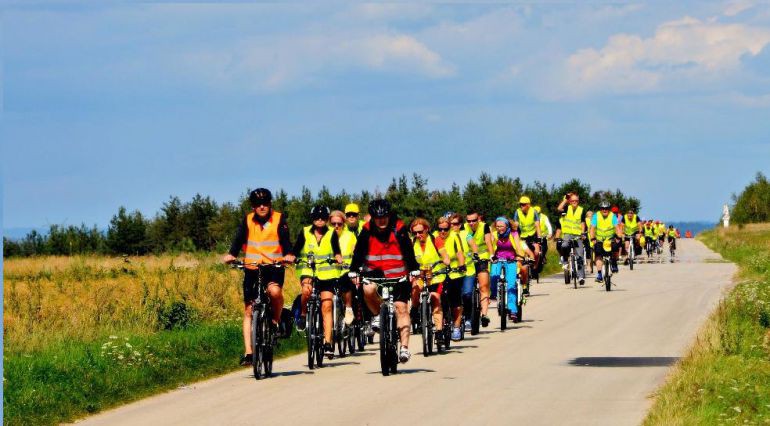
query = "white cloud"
{"x": 683, "y": 50}
{"x": 735, "y": 7}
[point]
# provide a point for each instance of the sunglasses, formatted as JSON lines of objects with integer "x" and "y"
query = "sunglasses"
{"x": 351, "y": 214}
{"x": 320, "y": 218}
{"x": 443, "y": 229}
{"x": 472, "y": 220}
{"x": 337, "y": 223}
{"x": 262, "y": 204}
{"x": 573, "y": 201}
{"x": 455, "y": 223}
{"x": 419, "y": 232}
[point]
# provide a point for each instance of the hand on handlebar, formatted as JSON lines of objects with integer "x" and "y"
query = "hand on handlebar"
{"x": 229, "y": 258}
{"x": 290, "y": 258}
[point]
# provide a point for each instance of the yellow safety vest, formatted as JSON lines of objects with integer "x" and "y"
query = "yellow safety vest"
{"x": 321, "y": 251}
{"x": 543, "y": 226}
{"x": 470, "y": 266}
{"x": 604, "y": 228}
{"x": 526, "y": 223}
{"x": 347, "y": 244}
{"x": 631, "y": 226}
{"x": 478, "y": 237}
{"x": 571, "y": 221}
{"x": 649, "y": 231}
{"x": 429, "y": 256}
{"x": 672, "y": 233}
{"x": 452, "y": 245}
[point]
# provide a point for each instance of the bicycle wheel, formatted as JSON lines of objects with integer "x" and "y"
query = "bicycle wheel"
{"x": 310, "y": 334}
{"x": 566, "y": 276}
{"x": 502, "y": 303}
{"x": 393, "y": 345}
{"x": 319, "y": 335}
{"x": 448, "y": 320}
{"x": 520, "y": 303}
{"x": 475, "y": 311}
{"x": 631, "y": 255}
{"x": 607, "y": 275}
{"x": 384, "y": 340}
{"x": 268, "y": 343}
{"x": 573, "y": 265}
{"x": 257, "y": 329}
{"x": 360, "y": 336}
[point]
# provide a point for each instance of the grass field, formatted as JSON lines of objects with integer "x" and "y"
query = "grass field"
{"x": 725, "y": 379}
{"x": 86, "y": 333}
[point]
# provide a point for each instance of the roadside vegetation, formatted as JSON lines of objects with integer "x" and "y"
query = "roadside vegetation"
{"x": 725, "y": 379}
{"x": 86, "y": 333}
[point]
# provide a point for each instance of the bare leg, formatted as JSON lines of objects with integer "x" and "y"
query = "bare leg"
{"x": 326, "y": 311}
{"x": 247, "y": 328}
{"x": 484, "y": 291}
{"x": 403, "y": 322}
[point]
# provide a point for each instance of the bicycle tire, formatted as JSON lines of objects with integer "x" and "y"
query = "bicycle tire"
{"x": 268, "y": 343}
{"x": 310, "y": 334}
{"x": 607, "y": 276}
{"x": 424, "y": 326}
{"x": 573, "y": 265}
{"x": 384, "y": 340}
{"x": 319, "y": 338}
{"x": 502, "y": 303}
{"x": 256, "y": 346}
{"x": 360, "y": 336}
{"x": 475, "y": 311}
{"x": 631, "y": 255}
{"x": 448, "y": 321}
{"x": 519, "y": 304}
{"x": 566, "y": 276}
{"x": 393, "y": 345}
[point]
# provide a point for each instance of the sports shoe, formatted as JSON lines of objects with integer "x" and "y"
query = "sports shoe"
{"x": 456, "y": 335}
{"x": 369, "y": 330}
{"x": 404, "y": 355}
{"x": 513, "y": 317}
{"x": 328, "y": 350}
{"x": 599, "y": 277}
{"x": 526, "y": 291}
{"x": 564, "y": 266}
{"x": 484, "y": 321}
{"x": 614, "y": 269}
{"x": 247, "y": 360}
{"x": 625, "y": 262}
{"x": 582, "y": 281}
{"x": 349, "y": 317}
{"x": 376, "y": 324}
{"x": 301, "y": 324}
{"x": 467, "y": 324}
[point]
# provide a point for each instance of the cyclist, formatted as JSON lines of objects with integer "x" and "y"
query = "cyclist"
{"x": 384, "y": 249}
{"x": 507, "y": 246}
{"x": 454, "y": 283}
{"x": 672, "y": 235}
{"x": 661, "y": 232}
{"x": 631, "y": 229}
{"x": 347, "y": 240}
{"x": 427, "y": 252}
{"x": 546, "y": 232}
{"x": 351, "y": 217}
{"x": 263, "y": 235}
{"x": 649, "y": 231}
{"x": 470, "y": 250}
{"x": 573, "y": 227}
{"x": 320, "y": 241}
{"x": 481, "y": 234}
{"x": 529, "y": 229}
{"x": 604, "y": 226}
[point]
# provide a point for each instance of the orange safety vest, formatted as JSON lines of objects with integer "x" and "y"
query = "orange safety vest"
{"x": 262, "y": 245}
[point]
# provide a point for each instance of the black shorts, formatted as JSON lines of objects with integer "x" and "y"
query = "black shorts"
{"x": 531, "y": 241}
{"x": 402, "y": 292}
{"x": 599, "y": 248}
{"x": 322, "y": 285}
{"x": 453, "y": 288}
{"x": 250, "y": 276}
{"x": 345, "y": 283}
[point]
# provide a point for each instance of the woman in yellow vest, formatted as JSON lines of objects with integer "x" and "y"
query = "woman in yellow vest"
{"x": 481, "y": 234}
{"x": 319, "y": 240}
{"x": 468, "y": 246}
{"x": 427, "y": 252}
{"x": 454, "y": 283}
{"x": 347, "y": 240}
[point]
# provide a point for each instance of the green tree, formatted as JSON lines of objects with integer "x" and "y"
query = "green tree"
{"x": 127, "y": 233}
{"x": 753, "y": 204}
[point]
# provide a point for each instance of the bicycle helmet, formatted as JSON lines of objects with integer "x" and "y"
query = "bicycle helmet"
{"x": 604, "y": 205}
{"x": 379, "y": 208}
{"x": 319, "y": 212}
{"x": 260, "y": 196}
{"x": 524, "y": 200}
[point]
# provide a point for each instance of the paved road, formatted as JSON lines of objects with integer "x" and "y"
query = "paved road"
{"x": 581, "y": 356}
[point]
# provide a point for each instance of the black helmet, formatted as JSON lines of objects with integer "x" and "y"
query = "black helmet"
{"x": 260, "y": 196}
{"x": 379, "y": 208}
{"x": 604, "y": 205}
{"x": 319, "y": 212}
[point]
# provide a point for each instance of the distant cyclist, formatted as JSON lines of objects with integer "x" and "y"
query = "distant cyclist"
{"x": 632, "y": 230}
{"x": 604, "y": 226}
{"x": 384, "y": 249}
{"x": 427, "y": 253}
{"x": 529, "y": 227}
{"x": 546, "y": 232}
{"x": 672, "y": 235}
{"x": 263, "y": 235}
{"x": 573, "y": 227}
{"x": 347, "y": 240}
{"x": 470, "y": 250}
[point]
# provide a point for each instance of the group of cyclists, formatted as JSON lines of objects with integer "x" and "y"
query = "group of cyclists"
{"x": 454, "y": 257}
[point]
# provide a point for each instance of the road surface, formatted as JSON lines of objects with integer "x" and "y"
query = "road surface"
{"x": 582, "y": 356}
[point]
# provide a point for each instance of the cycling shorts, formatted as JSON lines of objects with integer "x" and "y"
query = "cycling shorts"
{"x": 531, "y": 241}
{"x": 250, "y": 277}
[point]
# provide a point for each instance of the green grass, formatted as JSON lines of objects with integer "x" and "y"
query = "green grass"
{"x": 725, "y": 379}
{"x": 72, "y": 379}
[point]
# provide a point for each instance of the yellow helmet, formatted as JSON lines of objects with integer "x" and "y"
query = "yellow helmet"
{"x": 524, "y": 200}
{"x": 352, "y": 208}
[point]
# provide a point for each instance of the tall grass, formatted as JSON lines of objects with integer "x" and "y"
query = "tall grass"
{"x": 725, "y": 379}
{"x": 85, "y": 333}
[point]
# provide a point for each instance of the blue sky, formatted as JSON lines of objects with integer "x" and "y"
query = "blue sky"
{"x": 126, "y": 104}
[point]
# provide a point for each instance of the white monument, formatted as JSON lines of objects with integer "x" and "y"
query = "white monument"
{"x": 726, "y": 216}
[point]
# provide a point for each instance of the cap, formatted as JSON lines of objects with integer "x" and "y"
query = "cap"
{"x": 524, "y": 200}
{"x": 537, "y": 209}
{"x": 352, "y": 208}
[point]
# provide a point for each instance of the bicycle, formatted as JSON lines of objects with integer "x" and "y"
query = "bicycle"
{"x": 502, "y": 294}
{"x": 444, "y": 341}
{"x": 606, "y": 259}
{"x": 570, "y": 274}
{"x": 631, "y": 250}
{"x": 475, "y": 312}
{"x": 426, "y": 311}
{"x": 263, "y": 336}
{"x": 671, "y": 249}
{"x": 314, "y": 319}
{"x": 342, "y": 334}
{"x": 522, "y": 288}
{"x": 389, "y": 335}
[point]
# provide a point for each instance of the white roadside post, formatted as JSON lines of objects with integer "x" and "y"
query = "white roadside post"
{"x": 726, "y": 216}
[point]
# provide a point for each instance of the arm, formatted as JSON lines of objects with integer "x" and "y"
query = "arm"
{"x": 472, "y": 244}
{"x": 359, "y": 252}
{"x": 488, "y": 239}
{"x": 298, "y": 245}
{"x": 460, "y": 254}
{"x": 238, "y": 241}
{"x": 549, "y": 227}
{"x": 336, "y": 246}
{"x": 563, "y": 203}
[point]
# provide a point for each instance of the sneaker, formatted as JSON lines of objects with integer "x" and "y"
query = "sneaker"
{"x": 614, "y": 269}
{"x": 599, "y": 277}
{"x": 376, "y": 324}
{"x": 369, "y": 330}
{"x": 404, "y": 355}
{"x": 513, "y": 317}
{"x": 625, "y": 262}
{"x": 328, "y": 350}
{"x": 564, "y": 266}
{"x": 349, "y": 317}
{"x": 456, "y": 335}
{"x": 468, "y": 324}
{"x": 484, "y": 321}
{"x": 247, "y": 360}
{"x": 526, "y": 291}
{"x": 582, "y": 281}
{"x": 301, "y": 325}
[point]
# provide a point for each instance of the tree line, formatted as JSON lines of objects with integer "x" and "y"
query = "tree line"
{"x": 752, "y": 205}
{"x": 202, "y": 224}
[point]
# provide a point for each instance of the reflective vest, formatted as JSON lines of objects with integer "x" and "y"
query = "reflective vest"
{"x": 347, "y": 245}
{"x": 262, "y": 242}
{"x": 604, "y": 228}
{"x": 571, "y": 221}
{"x": 321, "y": 251}
{"x": 526, "y": 223}
{"x": 385, "y": 257}
{"x": 452, "y": 245}
{"x": 672, "y": 233}
{"x": 649, "y": 231}
{"x": 470, "y": 265}
{"x": 428, "y": 257}
{"x": 661, "y": 229}
{"x": 543, "y": 226}
{"x": 631, "y": 225}
{"x": 478, "y": 237}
